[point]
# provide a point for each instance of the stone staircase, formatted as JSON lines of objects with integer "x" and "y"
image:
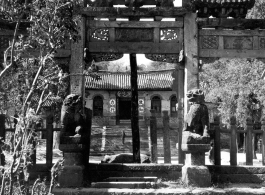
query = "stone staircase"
{"x": 118, "y": 139}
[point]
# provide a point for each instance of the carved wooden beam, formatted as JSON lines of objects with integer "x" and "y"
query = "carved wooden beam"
{"x": 108, "y": 12}
{"x": 231, "y": 43}
{"x": 231, "y": 23}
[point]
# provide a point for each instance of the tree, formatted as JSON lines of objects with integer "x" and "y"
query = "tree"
{"x": 258, "y": 11}
{"x": 236, "y": 85}
{"x": 30, "y": 69}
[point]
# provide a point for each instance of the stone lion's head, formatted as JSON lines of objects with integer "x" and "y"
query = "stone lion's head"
{"x": 195, "y": 96}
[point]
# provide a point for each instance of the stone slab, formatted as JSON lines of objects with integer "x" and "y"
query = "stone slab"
{"x": 145, "y": 179}
{"x": 129, "y": 185}
{"x": 195, "y": 147}
{"x": 196, "y": 176}
{"x": 178, "y": 191}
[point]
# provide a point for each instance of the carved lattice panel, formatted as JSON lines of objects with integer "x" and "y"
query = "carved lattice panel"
{"x": 134, "y": 35}
{"x": 209, "y": 42}
{"x": 169, "y": 58}
{"x": 262, "y": 43}
{"x": 4, "y": 41}
{"x": 168, "y": 35}
{"x": 100, "y": 34}
{"x": 242, "y": 42}
{"x": 100, "y": 57}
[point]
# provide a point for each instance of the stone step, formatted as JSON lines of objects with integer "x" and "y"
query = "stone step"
{"x": 131, "y": 179}
{"x": 165, "y": 191}
{"x": 122, "y": 185}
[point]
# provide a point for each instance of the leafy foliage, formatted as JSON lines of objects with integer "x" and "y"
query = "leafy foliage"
{"x": 258, "y": 11}
{"x": 31, "y": 74}
{"x": 237, "y": 85}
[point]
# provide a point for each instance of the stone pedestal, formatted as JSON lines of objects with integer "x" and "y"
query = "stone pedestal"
{"x": 195, "y": 173}
{"x": 72, "y": 174}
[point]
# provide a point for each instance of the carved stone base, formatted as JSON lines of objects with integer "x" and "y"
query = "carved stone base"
{"x": 196, "y": 176}
{"x": 72, "y": 176}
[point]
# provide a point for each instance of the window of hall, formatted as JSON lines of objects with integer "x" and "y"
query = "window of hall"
{"x": 98, "y": 106}
{"x": 156, "y": 104}
{"x": 174, "y": 106}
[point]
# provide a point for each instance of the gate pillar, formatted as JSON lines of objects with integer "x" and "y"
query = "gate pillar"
{"x": 191, "y": 79}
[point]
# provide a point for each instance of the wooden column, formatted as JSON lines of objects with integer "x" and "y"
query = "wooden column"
{"x": 217, "y": 141}
{"x": 191, "y": 55}
{"x": 181, "y": 154}
{"x": 249, "y": 147}
{"x": 166, "y": 138}
{"x": 153, "y": 137}
{"x": 49, "y": 139}
{"x": 263, "y": 141}
{"x": 134, "y": 110}
{"x": 233, "y": 142}
{"x": 3, "y": 135}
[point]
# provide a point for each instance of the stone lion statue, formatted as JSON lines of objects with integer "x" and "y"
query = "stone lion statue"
{"x": 72, "y": 119}
{"x": 196, "y": 125}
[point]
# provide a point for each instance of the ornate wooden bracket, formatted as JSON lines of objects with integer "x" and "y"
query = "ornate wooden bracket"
{"x": 169, "y": 58}
{"x": 222, "y": 8}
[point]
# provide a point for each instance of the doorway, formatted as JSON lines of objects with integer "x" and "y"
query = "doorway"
{"x": 124, "y": 109}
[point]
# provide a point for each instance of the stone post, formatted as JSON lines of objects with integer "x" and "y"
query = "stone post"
{"x": 72, "y": 174}
{"x": 194, "y": 172}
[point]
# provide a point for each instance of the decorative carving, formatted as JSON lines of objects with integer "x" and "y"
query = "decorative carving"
{"x": 209, "y": 42}
{"x": 168, "y": 35}
{"x": 100, "y": 57}
{"x": 262, "y": 42}
{"x": 242, "y": 42}
{"x": 134, "y": 35}
{"x": 71, "y": 117}
{"x": 124, "y": 94}
{"x": 100, "y": 34}
{"x": 197, "y": 119}
{"x": 222, "y": 9}
{"x": 4, "y": 42}
{"x": 169, "y": 58}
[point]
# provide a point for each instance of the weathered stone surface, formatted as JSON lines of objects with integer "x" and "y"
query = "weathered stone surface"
{"x": 194, "y": 138}
{"x": 177, "y": 191}
{"x": 72, "y": 147}
{"x": 130, "y": 185}
{"x": 124, "y": 158}
{"x": 201, "y": 148}
{"x": 73, "y": 159}
{"x": 71, "y": 176}
{"x": 197, "y": 158}
{"x": 197, "y": 176}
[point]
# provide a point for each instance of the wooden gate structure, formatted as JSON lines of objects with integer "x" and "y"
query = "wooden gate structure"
{"x": 187, "y": 40}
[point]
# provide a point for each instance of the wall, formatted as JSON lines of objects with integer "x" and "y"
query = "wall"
{"x": 110, "y": 117}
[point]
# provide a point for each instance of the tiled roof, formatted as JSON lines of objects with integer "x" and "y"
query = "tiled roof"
{"x": 152, "y": 80}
